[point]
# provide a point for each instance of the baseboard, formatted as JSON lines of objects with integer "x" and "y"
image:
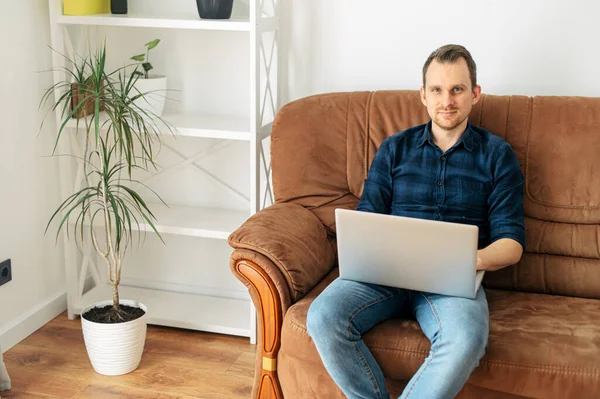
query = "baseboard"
{"x": 21, "y": 327}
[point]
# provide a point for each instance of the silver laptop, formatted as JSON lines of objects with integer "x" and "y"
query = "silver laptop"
{"x": 416, "y": 254}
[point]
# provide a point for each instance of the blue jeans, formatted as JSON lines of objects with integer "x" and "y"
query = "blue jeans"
{"x": 457, "y": 328}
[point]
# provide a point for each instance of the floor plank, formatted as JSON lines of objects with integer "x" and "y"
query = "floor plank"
{"x": 182, "y": 379}
{"x": 176, "y": 364}
{"x": 55, "y": 362}
{"x": 243, "y": 366}
{"x": 115, "y": 392}
{"x": 32, "y": 384}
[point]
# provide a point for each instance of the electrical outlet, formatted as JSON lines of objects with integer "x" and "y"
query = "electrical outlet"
{"x": 5, "y": 272}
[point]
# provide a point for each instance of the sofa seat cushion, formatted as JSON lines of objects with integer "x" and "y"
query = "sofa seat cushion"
{"x": 535, "y": 341}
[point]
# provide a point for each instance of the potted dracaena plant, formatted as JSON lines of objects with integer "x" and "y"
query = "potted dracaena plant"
{"x": 154, "y": 86}
{"x": 106, "y": 210}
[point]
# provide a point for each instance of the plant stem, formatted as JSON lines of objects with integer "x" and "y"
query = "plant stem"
{"x": 97, "y": 246}
{"x": 114, "y": 267}
{"x": 115, "y": 288}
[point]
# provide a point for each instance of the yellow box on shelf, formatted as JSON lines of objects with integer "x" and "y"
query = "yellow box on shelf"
{"x": 86, "y": 7}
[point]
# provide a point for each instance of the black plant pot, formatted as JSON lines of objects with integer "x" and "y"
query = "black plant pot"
{"x": 214, "y": 9}
{"x": 118, "y": 6}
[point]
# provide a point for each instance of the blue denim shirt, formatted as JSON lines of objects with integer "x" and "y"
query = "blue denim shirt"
{"x": 478, "y": 181}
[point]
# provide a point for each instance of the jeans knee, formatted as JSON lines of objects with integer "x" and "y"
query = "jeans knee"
{"x": 466, "y": 347}
{"x": 326, "y": 319}
{"x": 316, "y": 319}
{"x": 478, "y": 347}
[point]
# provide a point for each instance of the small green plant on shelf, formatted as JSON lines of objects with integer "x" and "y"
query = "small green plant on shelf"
{"x": 144, "y": 60}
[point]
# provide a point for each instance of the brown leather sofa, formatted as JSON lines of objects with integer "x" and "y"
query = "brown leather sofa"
{"x": 545, "y": 311}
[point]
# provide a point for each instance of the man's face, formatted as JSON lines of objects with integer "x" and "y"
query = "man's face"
{"x": 448, "y": 94}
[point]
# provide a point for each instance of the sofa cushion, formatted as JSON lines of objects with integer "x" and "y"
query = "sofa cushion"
{"x": 559, "y": 170}
{"x": 535, "y": 341}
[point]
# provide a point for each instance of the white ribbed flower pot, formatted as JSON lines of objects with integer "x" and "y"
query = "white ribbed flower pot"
{"x": 115, "y": 348}
{"x": 154, "y": 90}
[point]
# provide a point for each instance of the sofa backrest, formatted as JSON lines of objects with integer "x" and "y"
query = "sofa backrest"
{"x": 322, "y": 147}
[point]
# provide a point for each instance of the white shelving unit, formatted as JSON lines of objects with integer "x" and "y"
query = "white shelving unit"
{"x": 204, "y": 309}
{"x": 206, "y": 126}
{"x": 143, "y": 21}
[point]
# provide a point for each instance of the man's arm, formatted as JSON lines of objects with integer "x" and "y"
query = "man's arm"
{"x": 377, "y": 192}
{"x": 505, "y": 213}
{"x": 499, "y": 254}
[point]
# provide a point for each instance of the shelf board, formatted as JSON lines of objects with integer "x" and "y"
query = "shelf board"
{"x": 197, "y": 125}
{"x": 210, "y": 126}
{"x": 174, "y": 309}
{"x": 196, "y": 221}
{"x": 143, "y": 21}
{"x": 190, "y": 221}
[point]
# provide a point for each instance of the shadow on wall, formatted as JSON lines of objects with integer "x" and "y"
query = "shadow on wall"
{"x": 299, "y": 33}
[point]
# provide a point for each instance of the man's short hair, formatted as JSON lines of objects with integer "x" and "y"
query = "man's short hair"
{"x": 450, "y": 53}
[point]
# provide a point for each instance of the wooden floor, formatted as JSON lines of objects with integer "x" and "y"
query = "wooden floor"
{"x": 53, "y": 363}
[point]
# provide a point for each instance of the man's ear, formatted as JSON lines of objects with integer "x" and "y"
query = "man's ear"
{"x": 476, "y": 94}
{"x": 423, "y": 99}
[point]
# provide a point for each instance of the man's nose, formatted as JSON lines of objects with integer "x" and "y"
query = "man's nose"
{"x": 447, "y": 99}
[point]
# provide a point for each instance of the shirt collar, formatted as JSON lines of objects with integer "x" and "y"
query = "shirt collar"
{"x": 466, "y": 139}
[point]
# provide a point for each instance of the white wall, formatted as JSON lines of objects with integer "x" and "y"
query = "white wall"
{"x": 534, "y": 47}
{"x": 28, "y": 182}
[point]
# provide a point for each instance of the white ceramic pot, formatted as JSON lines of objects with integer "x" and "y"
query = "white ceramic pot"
{"x": 155, "y": 94}
{"x": 115, "y": 348}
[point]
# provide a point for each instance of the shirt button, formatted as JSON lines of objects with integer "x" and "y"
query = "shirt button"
{"x": 439, "y": 183}
{"x": 443, "y": 158}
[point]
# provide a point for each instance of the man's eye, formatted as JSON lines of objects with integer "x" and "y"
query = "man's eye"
{"x": 435, "y": 90}
{"x": 457, "y": 89}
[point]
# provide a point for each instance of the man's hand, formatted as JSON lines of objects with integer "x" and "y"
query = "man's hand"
{"x": 501, "y": 253}
{"x": 480, "y": 265}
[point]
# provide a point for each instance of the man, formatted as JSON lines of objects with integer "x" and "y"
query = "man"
{"x": 445, "y": 170}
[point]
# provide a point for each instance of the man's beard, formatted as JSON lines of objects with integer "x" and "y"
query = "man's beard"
{"x": 443, "y": 123}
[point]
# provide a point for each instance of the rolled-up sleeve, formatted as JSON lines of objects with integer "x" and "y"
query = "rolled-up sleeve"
{"x": 377, "y": 192}
{"x": 505, "y": 203}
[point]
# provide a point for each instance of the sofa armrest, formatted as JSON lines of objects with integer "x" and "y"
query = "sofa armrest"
{"x": 280, "y": 254}
{"x": 270, "y": 294}
{"x": 294, "y": 240}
